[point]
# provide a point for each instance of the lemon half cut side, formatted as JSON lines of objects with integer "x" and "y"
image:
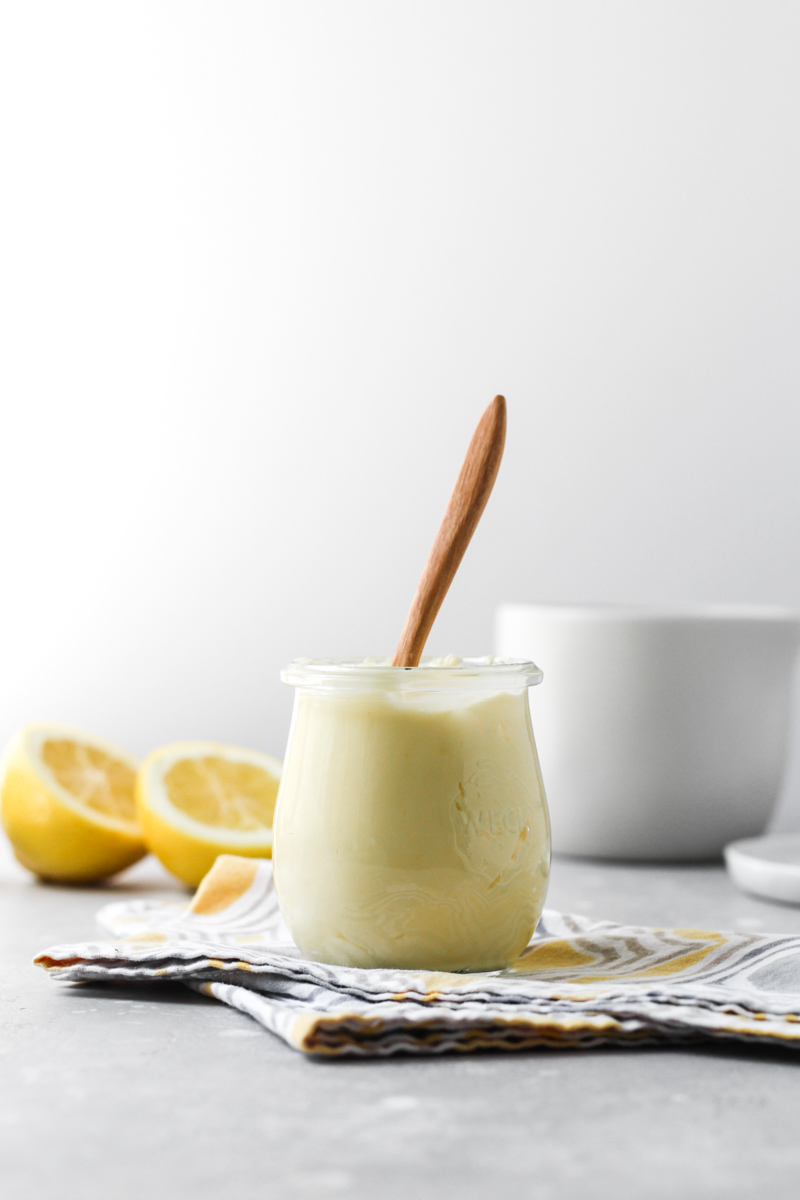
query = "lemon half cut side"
{"x": 197, "y": 800}
{"x": 67, "y": 804}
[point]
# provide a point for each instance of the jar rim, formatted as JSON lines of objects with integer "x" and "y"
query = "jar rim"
{"x": 432, "y": 674}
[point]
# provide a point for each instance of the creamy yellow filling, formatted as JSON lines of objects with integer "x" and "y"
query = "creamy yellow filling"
{"x": 412, "y": 830}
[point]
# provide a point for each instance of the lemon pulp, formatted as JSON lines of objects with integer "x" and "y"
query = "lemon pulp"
{"x": 92, "y": 776}
{"x": 222, "y": 793}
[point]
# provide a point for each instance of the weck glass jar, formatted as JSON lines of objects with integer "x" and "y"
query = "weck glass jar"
{"x": 411, "y": 827}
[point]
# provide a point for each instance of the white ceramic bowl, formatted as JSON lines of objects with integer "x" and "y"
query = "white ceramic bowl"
{"x": 662, "y": 732}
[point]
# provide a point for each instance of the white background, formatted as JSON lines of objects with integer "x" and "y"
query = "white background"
{"x": 262, "y": 265}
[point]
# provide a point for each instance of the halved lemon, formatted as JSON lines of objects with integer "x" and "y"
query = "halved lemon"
{"x": 67, "y": 804}
{"x": 196, "y": 800}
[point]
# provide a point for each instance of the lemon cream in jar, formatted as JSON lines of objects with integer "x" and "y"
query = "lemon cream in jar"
{"x": 411, "y": 827}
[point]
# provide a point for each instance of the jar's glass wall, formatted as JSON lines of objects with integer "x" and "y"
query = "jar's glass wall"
{"x": 412, "y": 828}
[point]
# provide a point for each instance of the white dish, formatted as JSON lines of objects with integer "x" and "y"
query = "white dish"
{"x": 662, "y": 732}
{"x": 767, "y": 866}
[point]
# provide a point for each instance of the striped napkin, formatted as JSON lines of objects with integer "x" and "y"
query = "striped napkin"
{"x": 579, "y": 983}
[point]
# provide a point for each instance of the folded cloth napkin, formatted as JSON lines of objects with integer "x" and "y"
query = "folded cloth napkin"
{"x": 579, "y": 983}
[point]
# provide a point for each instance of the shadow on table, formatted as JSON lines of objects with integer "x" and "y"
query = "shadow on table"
{"x": 169, "y": 992}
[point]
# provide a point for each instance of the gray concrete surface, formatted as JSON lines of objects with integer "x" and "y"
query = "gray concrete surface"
{"x": 109, "y": 1091}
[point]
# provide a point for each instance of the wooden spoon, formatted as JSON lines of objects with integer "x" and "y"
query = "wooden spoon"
{"x": 473, "y": 487}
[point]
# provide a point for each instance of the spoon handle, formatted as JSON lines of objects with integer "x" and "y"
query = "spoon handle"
{"x": 473, "y": 487}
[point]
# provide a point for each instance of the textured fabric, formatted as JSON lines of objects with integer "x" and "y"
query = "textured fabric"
{"x": 579, "y": 983}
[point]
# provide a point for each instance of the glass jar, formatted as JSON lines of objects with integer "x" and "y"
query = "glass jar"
{"x": 411, "y": 827}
